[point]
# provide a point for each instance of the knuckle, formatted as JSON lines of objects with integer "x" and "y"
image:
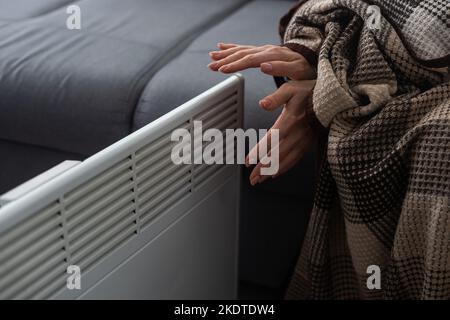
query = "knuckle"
{"x": 241, "y": 53}
{"x": 273, "y": 48}
{"x": 250, "y": 58}
{"x": 287, "y": 86}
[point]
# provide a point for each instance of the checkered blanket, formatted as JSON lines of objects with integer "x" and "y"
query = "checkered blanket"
{"x": 383, "y": 196}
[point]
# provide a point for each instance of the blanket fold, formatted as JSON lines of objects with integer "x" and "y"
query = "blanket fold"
{"x": 383, "y": 197}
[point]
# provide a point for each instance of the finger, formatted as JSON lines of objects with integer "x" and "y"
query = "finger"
{"x": 218, "y": 55}
{"x": 280, "y": 97}
{"x": 255, "y": 60}
{"x": 261, "y": 148}
{"x": 224, "y": 46}
{"x": 298, "y": 103}
{"x": 293, "y": 150}
{"x": 296, "y": 70}
{"x": 287, "y": 162}
{"x": 255, "y": 176}
{"x": 240, "y": 54}
{"x": 252, "y": 157}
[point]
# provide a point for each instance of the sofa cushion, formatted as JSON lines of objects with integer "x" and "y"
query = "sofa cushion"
{"x": 159, "y": 23}
{"x": 68, "y": 91}
{"x": 77, "y": 91}
{"x": 22, "y": 9}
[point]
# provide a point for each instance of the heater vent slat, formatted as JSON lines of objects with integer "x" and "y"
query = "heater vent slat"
{"x": 98, "y": 181}
{"x": 41, "y": 275}
{"x": 174, "y": 198}
{"x": 29, "y": 270}
{"x": 52, "y": 224}
{"x": 221, "y": 118}
{"x": 165, "y": 195}
{"x": 169, "y": 180}
{"x": 101, "y": 195}
{"x": 107, "y": 243}
{"x": 156, "y": 146}
{"x": 225, "y": 117}
{"x": 83, "y": 233}
{"x": 93, "y": 250}
{"x": 28, "y": 225}
{"x": 212, "y": 112}
{"x": 205, "y": 172}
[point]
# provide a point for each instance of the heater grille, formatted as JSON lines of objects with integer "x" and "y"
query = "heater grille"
{"x": 32, "y": 254}
{"x": 94, "y": 218}
{"x": 224, "y": 115}
{"x": 100, "y": 215}
{"x": 160, "y": 183}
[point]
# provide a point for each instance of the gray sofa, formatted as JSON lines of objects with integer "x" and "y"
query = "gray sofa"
{"x": 66, "y": 94}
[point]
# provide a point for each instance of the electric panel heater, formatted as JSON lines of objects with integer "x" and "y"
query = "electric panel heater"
{"x": 134, "y": 224}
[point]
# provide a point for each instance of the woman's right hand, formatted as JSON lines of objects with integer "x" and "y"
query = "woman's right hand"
{"x": 294, "y": 131}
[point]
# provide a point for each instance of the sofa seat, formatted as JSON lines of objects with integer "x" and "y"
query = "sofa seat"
{"x": 23, "y": 9}
{"x": 76, "y": 91}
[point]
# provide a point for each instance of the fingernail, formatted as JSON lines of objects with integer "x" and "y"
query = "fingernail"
{"x": 223, "y": 69}
{"x": 254, "y": 181}
{"x": 212, "y": 66}
{"x": 266, "y": 67}
{"x": 264, "y": 103}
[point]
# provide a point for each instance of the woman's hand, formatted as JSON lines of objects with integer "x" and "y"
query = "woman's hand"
{"x": 295, "y": 133}
{"x": 273, "y": 60}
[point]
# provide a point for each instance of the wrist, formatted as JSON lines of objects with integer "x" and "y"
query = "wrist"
{"x": 309, "y": 55}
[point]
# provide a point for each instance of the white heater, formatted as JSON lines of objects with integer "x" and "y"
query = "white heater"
{"x": 135, "y": 224}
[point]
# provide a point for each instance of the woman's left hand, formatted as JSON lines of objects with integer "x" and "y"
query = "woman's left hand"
{"x": 273, "y": 60}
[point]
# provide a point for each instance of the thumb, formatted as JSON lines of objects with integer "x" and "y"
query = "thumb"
{"x": 280, "y": 97}
{"x": 295, "y": 70}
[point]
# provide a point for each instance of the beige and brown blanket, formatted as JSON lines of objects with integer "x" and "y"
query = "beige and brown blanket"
{"x": 383, "y": 196}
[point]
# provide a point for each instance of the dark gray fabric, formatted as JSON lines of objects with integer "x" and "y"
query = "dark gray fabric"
{"x": 69, "y": 91}
{"x": 272, "y": 227}
{"x": 77, "y": 90}
{"x": 158, "y": 23}
{"x": 20, "y": 162}
{"x": 22, "y": 9}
